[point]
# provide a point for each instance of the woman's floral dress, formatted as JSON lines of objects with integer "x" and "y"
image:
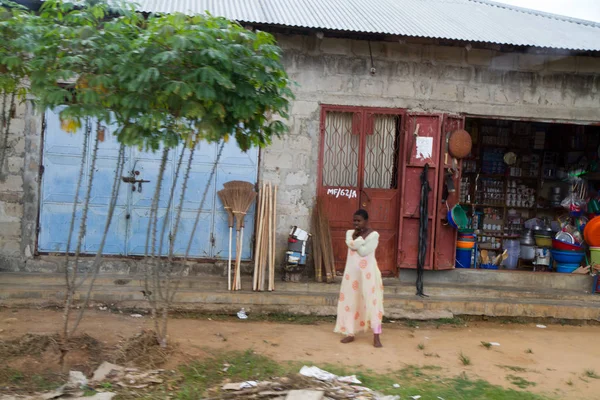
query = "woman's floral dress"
{"x": 360, "y": 305}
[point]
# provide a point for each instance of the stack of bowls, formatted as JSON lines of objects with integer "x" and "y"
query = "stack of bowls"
{"x": 464, "y": 249}
{"x": 567, "y": 261}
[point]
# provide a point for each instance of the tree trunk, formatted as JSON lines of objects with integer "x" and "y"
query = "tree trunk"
{"x": 98, "y": 258}
{"x": 68, "y": 296}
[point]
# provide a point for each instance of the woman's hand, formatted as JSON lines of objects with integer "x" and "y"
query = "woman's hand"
{"x": 355, "y": 234}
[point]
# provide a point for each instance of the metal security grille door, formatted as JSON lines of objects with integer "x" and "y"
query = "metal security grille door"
{"x": 62, "y": 157}
{"x": 359, "y": 169}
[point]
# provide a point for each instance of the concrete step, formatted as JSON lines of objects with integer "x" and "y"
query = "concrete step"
{"x": 134, "y": 284}
{"x": 503, "y": 278}
{"x": 396, "y": 306}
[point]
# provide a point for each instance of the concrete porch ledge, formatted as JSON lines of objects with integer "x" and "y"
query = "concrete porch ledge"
{"x": 209, "y": 294}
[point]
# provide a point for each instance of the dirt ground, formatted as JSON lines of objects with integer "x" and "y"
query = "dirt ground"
{"x": 560, "y": 360}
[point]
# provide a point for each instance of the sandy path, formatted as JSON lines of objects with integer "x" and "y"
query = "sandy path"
{"x": 561, "y": 354}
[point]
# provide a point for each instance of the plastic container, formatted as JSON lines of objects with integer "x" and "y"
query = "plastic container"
{"x": 488, "y": 266}
{"x": 465, "y": 245}
{"x": 513, "y": 247}
{"x": 543, "y": 241}
{"x": 595, "y": 255}
{"x": 568, "y": 257}
{"x": 560, "y": 245}
{"x": 463, "y": 258}
{"x": 566, "y": 268}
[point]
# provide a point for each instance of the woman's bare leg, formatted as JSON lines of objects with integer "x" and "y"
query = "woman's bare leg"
{"x": 376, "y": 341}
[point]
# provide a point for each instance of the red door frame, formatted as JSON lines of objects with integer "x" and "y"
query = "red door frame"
{"x": 363, "y": 115}
{"x": 407, "y": 155}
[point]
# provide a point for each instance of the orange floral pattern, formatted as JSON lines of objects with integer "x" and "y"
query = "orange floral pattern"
{"x": 360, "y": 305}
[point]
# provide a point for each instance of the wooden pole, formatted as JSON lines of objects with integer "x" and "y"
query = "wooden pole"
{"x": 270, "y": 243}
{"x": 274, "y": 250}
{"x": 257, "y": 247}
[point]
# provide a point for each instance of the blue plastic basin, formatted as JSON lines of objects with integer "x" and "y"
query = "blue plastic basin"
{"x": 568, "y": 257}
{"x": 566, "y": 268}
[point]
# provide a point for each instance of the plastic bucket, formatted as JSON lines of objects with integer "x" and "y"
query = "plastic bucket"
{"x": 463, "y": 258}
{"x": 595, "y": 255}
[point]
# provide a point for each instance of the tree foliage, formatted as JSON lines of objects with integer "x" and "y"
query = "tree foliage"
{"x": 163, "y": 79}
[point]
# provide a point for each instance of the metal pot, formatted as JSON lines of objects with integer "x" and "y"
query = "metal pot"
{"x": 527, "y": 252}
{"x": 527, "y": 238}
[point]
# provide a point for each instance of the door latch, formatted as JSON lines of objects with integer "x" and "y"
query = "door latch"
{"x": 134, "y": 181}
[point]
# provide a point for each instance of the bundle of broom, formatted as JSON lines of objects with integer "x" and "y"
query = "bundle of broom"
{"x": 264, "y": 254}
{"x": 322, "y": 244}
{"x": 237, "y": 197}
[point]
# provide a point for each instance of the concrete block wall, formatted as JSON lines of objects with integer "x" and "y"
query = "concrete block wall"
{"x": 416, "y": 77}
{"x": 19, "y": 189}
{"x": 334, "y": 71}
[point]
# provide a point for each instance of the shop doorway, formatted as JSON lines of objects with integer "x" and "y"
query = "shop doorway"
{"x": 359, "y": 168}
{"x": 519, "y": 171}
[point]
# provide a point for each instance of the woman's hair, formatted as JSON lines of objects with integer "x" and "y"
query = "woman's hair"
{"x": 362, "y": 213}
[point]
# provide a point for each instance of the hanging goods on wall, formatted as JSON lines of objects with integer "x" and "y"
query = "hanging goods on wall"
{"x": 423, "y": 222}
{"x": 242, "y": 196}
{"x": 460, "y": 144}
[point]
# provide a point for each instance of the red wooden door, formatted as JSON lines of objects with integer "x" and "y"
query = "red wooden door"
{"x": 421, "y": 146}
{"x": 359, "y": 169}
{"x": 445, "y": 235}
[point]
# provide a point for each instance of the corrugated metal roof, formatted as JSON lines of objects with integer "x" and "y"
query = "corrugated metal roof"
{"x": 468, "y": 20}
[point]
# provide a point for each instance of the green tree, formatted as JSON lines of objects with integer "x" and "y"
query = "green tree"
{"x": 163, "y": 80}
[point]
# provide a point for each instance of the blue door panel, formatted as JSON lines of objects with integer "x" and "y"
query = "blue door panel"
{"x": 199, "y": 175}
{"x": 138, "y": 227}
{"x": 149, "y": 171}
{"x": 54, "y": 227}
{"x": 201, "y": 244}
{"x": 232, "y": 155}
{"x": 59, "y": 182}
{"x": 103, "y": 184}
{"x": 117, "y": 233}
{"x": 57, "y": 141}
{"x": 128, "y": 231}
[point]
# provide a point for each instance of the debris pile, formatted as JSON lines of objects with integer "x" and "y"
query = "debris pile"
{"x": 311, "y": 384}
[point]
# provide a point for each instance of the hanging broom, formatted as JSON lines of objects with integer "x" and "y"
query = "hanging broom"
{"x": 239, "y": 185}
{"x": 225, "y": 196}
{"x": 242, "y": 198}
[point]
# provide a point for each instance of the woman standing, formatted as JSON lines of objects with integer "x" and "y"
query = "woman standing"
{"x": 360, "y": 305}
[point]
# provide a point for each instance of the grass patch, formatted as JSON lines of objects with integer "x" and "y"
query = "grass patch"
{"x": 487, "y": 345}
{"x": 590, "y": 373}
{"x": 512, "y": 368}
{"x": 465, "y": 360}
{"x": 435, "y": 355}
{"x": 12, "y": 380}
{"x": 570, "y": 382}
{"x": 519, "y": 381}
{"x": 196, "y": 378}
{"x": 411, "y": 324}
{"x": 528, "y": 351}
{"x": 421, "y": 346}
